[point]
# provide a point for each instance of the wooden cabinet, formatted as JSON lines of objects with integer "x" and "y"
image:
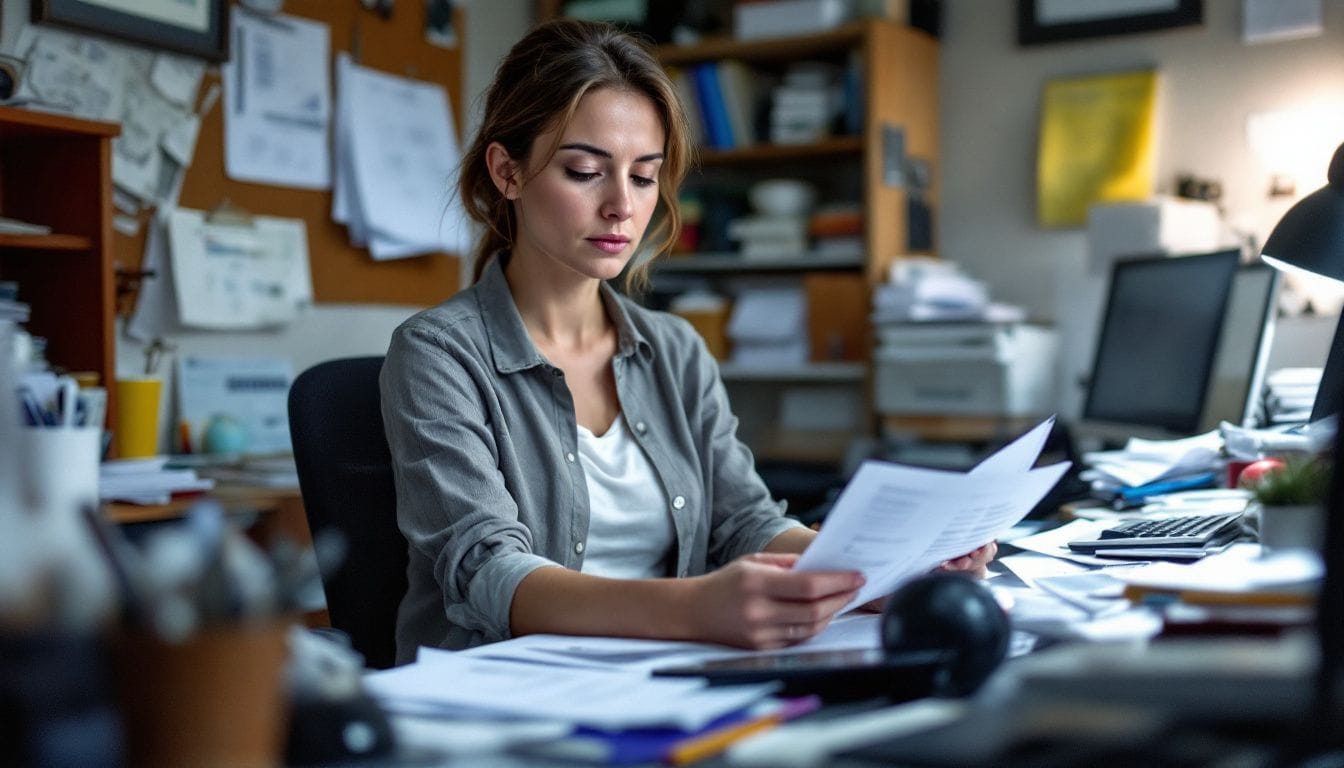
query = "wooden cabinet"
{"x": 56, "y": 171}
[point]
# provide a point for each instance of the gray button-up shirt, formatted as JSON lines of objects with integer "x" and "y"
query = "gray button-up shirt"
{"x": 481, "y": 427}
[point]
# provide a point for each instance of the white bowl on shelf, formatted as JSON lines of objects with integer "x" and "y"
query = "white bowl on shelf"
{"x": 782, "y": 197}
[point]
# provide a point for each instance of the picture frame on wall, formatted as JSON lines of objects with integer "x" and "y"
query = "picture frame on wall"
{"x": 1050, "y": 21}
{"x": 194, "y": 27}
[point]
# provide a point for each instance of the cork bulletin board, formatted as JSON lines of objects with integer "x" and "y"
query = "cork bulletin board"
{"x": 341, "y": 273}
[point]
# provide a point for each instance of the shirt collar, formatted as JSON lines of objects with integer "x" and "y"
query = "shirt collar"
{"x": 510, "y": 343}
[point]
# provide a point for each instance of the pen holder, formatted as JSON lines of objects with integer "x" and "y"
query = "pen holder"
{"x": 59, "y": 479}
{"x": 216, "y": 699}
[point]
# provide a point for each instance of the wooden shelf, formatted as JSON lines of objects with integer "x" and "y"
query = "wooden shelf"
{"x": 822, "y": 373}
{"x": 17, "y": 121}
{"x": 735, "y": 263}
{"x": 837, "y": 146}
{"x": 830, "y": 43}
{"x": 46, "y": 242}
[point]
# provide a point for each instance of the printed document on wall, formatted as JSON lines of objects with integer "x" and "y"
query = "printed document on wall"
{"x": 1098, "y": 143}
{"x": 397, "y": 157}
{"x": 238, "y": 277}
{"x": 277, "y": 101}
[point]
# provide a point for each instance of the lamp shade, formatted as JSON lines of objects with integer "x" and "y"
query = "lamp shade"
{"x": 1310, "y": 236}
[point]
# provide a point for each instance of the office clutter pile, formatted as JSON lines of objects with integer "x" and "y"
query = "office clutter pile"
{"x": 1184, "y": 536}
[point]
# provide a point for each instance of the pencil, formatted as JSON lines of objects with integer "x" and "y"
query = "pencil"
{"x": 709, "y": 744}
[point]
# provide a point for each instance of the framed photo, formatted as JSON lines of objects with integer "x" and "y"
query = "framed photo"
{"x": 1049, "y": 21}
{"x": 194, "y": 27}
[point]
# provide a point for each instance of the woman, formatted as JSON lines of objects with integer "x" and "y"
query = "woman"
{"x": 566, "y": 460}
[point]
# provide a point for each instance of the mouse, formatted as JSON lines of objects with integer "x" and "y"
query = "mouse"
{"x": 951, "y": 611}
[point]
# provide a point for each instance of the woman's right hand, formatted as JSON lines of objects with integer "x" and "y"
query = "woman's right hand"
{"x": 759, "y": 601}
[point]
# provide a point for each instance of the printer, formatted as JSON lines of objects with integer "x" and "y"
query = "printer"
{"x": 965, "y": 369}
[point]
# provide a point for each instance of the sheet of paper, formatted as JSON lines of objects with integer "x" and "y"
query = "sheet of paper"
{"x": 400, "y": 148}
{"x": 155, "y": 313}
{"x": 1019, "y": 455}
{"x": 1055, "y": 541}
{"x": 254, "y": 391}
{"x": 599, "y": 698}
{"x": 228, "y": 276}
{"x": 894, "y": 522}
{"x": 1239, "y": 568}
{"x": 177, "y": 78}
{"x": 277, "y": 101}
{"x": 849, "y": 632}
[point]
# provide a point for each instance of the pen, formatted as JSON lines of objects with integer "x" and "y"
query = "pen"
{"x": 709, "y": 744}
{"x": 1134, "y": 496}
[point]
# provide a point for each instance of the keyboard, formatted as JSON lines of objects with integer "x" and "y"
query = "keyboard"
{"x": 1194, "y": 531}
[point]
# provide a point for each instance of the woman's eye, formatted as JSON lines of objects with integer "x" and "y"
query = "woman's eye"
{"x": 643, "y": 181}
{"x": 580, "y": 175}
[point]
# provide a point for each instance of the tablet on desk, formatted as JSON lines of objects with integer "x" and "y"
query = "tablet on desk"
{"x": 835, "y": 675}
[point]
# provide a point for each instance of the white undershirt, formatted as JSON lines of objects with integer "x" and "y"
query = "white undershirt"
{"x": 630, "y": 533}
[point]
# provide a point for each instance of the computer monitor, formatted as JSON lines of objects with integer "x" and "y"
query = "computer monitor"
{"x": 1181, "y": 347}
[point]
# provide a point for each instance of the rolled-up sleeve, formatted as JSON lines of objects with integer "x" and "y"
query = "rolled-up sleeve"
{"x": 453, "y": 506}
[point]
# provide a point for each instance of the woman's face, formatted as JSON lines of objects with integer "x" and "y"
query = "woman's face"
{"x": 586, "y": 210}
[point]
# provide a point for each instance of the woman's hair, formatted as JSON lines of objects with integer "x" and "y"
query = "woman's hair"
{"x": 537, "y": 88}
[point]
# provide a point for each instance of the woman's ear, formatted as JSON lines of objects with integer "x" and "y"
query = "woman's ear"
{"x": 503, "y": 170}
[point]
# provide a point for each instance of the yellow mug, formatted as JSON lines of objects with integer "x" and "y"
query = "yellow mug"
{"x": 137, "y": 433}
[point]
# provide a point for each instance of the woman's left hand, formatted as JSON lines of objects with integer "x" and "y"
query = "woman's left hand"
{"x": 972, "y": 563}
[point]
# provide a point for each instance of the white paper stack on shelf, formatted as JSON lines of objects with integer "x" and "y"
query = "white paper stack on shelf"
{"x": 396, "y": 165}
{"x": 770, "y": 237}
{"x": 920, "y": 290}
{"x": 769, "y": 328}
{"x": 1142, "y": 462}
{"x": 1290, "y": 394}
{"x": 804, "y": 106}
{"x": 147, "y": 481}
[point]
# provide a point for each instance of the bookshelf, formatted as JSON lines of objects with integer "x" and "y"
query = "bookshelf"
{"x": 876, "y": 164}
{"x": 55, "y": 170}
{"x": 887, "y": 161}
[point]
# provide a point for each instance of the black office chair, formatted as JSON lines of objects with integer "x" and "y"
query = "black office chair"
{"x": 345, "y": 476}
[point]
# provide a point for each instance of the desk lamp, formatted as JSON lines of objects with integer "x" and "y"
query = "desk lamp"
{"x": 1310, "y": 238}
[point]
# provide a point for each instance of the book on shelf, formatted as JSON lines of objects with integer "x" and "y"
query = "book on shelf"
{"x": 737, "y": 86}
{"x": 709, "y": 97}
{"x": 690, "y": 102}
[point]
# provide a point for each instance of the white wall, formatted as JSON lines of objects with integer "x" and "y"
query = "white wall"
{"x": 1210, "y": 83}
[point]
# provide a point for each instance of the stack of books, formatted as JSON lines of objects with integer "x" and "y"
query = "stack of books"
{"x": 805, "y": 105}
{"x": 769, "y": 237}
{"x": 837, "y": 230}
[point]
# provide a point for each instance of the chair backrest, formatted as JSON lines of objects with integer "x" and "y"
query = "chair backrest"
{"x": 345, "y": 476}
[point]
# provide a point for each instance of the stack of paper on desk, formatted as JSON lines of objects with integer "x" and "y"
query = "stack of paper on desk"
{"x": 448, "y": 683}
{"x": 894, "y": 522}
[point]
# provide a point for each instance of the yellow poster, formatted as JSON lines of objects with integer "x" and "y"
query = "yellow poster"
{"x": 1098, "y": 144}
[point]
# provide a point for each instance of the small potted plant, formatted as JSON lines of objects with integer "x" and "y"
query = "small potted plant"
{"x": 1290, "y": 495}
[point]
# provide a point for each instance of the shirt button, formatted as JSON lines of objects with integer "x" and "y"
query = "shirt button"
{"x": 569, "y": 457}
{"x": 678, "y": 502}
{"x": 640, "y": 427}
{"x": 578, "y": 547}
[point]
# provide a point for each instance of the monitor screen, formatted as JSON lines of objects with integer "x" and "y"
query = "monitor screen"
{"x": 1159, "y": 340}
{"x": 1237, "y": 385}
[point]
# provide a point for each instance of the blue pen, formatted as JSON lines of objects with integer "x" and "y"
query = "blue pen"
{"x": 36, "y": 415}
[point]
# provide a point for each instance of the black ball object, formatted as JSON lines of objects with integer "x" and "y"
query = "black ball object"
{"x": 952, "y": 612}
